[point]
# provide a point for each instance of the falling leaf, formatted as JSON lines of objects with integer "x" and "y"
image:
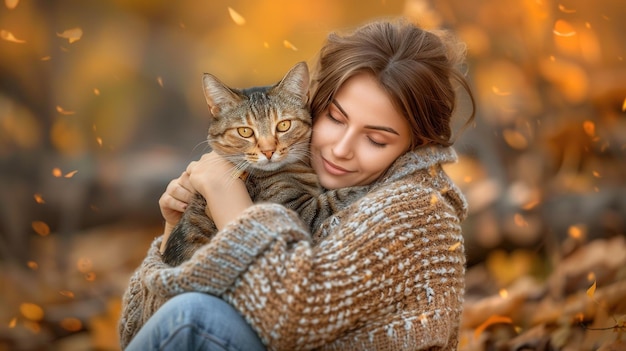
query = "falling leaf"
{"x": 32, "y": 265}
{"x": 495, "y": 319}
{"x": 84, "y": 265}
{"x": 591, "y": 276}
{"x": 499, "y": 92}
{"x": 515, "y": 139}
{"x": 530, "y": 204}
{"x": 565, "y": 10}
{"x": 454, "y": 246}
{"x": 8, "y": 36}
{"x": 160, "y": 81}
{"x": 503, "y": 293}
{"x": 519, "y": 220}
{"x": 577, "y": 231}
{"x": 56, "y": 172}
{"x": 563, "y": 28}
{"x": 590, "y": 128}
{"x": 596, "y": 174}
{"x": 99, "y": 141}
{"x": 11, "y": 4}
{"x": 31, "y": 311}
{"x": 40, "y": 228}
{"x": 45, "y": 58}
{"x": 236, "y": 17}
{"x": 39, "y": 199}
{"x": 71, "y": 324}
{"x": 67, "y": 293}
{"x": 624, "y": 105}
{"x": 70, "y": 174}
{"x": 592, "y": 290}
{"x": 96, "y": 91}
{"x": 62, "y": 111}
{"x": 90, "y": 277}
{"x": 289, "y": 45}
{"x": 71, "y": 35}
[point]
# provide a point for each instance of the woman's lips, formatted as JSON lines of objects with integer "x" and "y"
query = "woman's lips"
{"x": 333, "y": 168}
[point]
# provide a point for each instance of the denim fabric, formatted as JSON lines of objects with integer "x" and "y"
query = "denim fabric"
{"x": 196, "y": 321}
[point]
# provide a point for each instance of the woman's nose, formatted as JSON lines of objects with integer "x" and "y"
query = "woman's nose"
{"x": 343, "y": 148}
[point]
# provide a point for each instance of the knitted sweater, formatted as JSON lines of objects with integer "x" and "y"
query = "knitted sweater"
{"x": 385, "y": 273}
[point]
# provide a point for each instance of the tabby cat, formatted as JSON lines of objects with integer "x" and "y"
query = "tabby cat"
{"x": 265, "y": 133}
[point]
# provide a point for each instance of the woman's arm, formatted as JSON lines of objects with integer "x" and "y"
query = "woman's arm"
{"x": 212, "y": 177}
{"x": 226, "y": 198}
{"x": 218, "y": 182}
{"x": 394, "y": 263}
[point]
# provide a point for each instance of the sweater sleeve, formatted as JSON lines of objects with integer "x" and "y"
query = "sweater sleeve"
{"x": 388, "y": 277}
{"x": 138, "y": 302}
{"x": 215, "y": 266}
{"x": 212, "y": 269}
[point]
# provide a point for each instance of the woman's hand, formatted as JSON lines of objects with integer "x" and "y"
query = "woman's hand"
{"x": 173, "y": 203}
{"x": 217, "y": 180}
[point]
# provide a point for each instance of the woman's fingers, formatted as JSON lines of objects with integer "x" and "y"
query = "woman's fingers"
{"x": 174, "y": 200}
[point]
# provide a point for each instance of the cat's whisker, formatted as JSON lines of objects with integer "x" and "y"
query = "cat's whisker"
{"x": 207, "y": 147}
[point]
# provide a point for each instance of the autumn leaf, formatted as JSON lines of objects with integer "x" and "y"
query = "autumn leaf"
{"x": 71, "y": 324}
{"x": 63, "y": 111}
{"x": 563, "y": 28}
{"x": 70, "y": 174}
{"x": 499, "y": 92}
{"x": 32, "y": 311}
{"x": 592, "y": 290}
{"x": 566, "y": 10}
{"x": 72, "y": 35}
{"x": 289, "y": 45}
{"x": 236, "y": 17}
{"x": 8, "y": 36}
{"x": 39, "y": 199}
{"x": 495, "y": 319}
{"x": 40, "y": 228}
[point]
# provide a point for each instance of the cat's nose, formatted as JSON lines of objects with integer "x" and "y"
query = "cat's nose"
{"x": 268, "y": 154}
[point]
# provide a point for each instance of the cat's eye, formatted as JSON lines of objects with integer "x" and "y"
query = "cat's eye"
{"x": 245, "y": 132}
{"x": 283, "y": 126}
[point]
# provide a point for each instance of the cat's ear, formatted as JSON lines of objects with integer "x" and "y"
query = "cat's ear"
{"x": 218, "y": 96}
{"x": 296, "y": 82}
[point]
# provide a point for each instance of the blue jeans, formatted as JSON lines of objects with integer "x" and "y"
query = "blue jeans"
{"x": 196, "y": 321}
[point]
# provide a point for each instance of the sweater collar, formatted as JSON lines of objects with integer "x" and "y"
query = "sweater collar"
{"x": 418, "y": 159}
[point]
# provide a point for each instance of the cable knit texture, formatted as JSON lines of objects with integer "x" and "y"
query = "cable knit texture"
{"x": 385, "y": 273}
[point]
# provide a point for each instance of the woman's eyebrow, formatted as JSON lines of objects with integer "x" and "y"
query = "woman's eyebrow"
{"x": 381, "y": 128}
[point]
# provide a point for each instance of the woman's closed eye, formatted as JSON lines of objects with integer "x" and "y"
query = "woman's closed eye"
{"x": 333, "y": 119}
{"x": 376, "y": 143}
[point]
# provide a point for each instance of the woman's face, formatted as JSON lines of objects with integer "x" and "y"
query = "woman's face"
{"x": 358, "y": 136}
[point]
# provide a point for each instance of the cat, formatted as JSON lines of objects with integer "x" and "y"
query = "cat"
{"x": 265, "y": 133}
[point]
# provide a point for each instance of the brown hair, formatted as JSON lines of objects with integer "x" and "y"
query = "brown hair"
{"x": 414, "y": 66}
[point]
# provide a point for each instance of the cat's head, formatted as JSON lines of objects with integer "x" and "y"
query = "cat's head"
{"x": 261, "y": 128}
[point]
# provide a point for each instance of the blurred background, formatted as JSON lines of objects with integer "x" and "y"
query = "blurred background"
{"x": 101, "y": 106}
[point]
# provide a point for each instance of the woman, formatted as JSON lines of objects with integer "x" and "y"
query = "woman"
{"x": 387, "y": 272}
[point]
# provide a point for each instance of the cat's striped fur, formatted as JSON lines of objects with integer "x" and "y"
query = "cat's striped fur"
{"x": 265, "y": 133}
